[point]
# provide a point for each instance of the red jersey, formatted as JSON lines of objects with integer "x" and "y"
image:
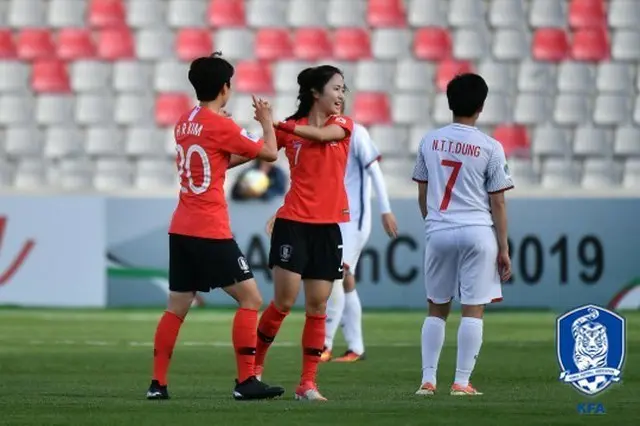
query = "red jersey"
{"x": 317, "y": 193}
{"x": 205, "y": 142}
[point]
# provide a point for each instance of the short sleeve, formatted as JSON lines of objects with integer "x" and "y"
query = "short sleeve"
{"x": 239, "y": 141}
{"x": 343, "y": 121}
{"x": 364, "y": 148}
{"x": 420, "y": 172}
{"x": 498, "y": 175}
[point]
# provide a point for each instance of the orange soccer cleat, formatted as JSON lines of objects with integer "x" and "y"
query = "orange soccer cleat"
{"x": 326, "y": 355}
{"x": 458, "y": 390}
{"x": 350, "y": 356}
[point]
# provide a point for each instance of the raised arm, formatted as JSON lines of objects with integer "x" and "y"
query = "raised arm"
{"x": 337, "y": 128}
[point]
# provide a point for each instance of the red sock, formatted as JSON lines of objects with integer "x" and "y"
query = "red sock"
{"x": 244, "y": 336}
{"x": 270, "y": 323}
{"x": 312, "y": 345}
{"x": 164, "y": 341}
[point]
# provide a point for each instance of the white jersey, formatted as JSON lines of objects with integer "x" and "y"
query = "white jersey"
{"x": 362, "y": 152}
{"x": 462, "y": 166}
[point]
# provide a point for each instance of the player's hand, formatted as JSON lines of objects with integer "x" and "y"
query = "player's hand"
{"x": 262, "y": 111}
{"x": 504, "y": 265}
{"x": 269, "y": 227}
{"x": 390, "y": 225}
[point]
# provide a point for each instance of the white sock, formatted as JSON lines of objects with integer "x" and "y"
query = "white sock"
{"x": 352, "y": 322}
{"x": 432, "y": 341}
{"x": 335, "y": 309}
{"x": 469, "y": 343}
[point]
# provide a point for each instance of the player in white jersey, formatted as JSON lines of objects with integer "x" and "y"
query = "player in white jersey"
{"x": 462, "y": 176}
{"x": 344, "y": 307}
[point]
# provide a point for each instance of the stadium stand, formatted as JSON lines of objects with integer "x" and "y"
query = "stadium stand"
{"x": 90, "y": 88}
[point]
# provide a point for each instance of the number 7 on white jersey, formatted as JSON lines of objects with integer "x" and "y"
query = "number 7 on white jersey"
{"x": 456, "y": 166}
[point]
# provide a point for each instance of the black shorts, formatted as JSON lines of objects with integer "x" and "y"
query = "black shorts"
{"x": 202, "y": 264}
{"x": 311, "y": 250}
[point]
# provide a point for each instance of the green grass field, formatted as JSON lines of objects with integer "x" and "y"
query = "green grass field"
{"x": 92, "y": 368}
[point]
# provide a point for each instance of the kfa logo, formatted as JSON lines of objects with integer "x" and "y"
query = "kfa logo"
{"x": 590, "y": 343}
{"x": 18, "y": 260}
{"x": 242, "y": 263}
{"x": 285, "y": 252}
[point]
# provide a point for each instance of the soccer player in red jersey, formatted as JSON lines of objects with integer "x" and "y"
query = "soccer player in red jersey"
{"x": 306, "y": 243}
{"x": 202, "y": 252}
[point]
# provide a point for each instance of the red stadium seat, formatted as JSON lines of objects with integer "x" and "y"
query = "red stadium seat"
{"x": 115, "y": 44}
{"x": 107, "y": 13}
{"x": 550, "y": 44}
{"x": 590, "y": 44}
{"x": 514, "y": 139}
{"x": 193, "y": 43}
{"x": 33, "y": 44}
{"x": 371, "y": 108}
{"x": 253, "y": 77}
{"x": 50, "y": 76}
{"x": 386, "y": 13}
{"x": 170, "y": 106}
{"x": 432, "y": 44}
{"x": 273, "y": 44}
{"x": 7, "y": 46}
{"x": 312, "y": 44}
{"x": 226, "y": 13}
{"x": 75, "y": 43}
{"x": 587, "y": 14}
{"x": 351, "y": 44}
{"x": 448, "y": 69}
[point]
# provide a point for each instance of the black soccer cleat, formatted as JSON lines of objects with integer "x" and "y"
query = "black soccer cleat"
{"x": 156, "y": 391}
{"x": 253, "y": 388}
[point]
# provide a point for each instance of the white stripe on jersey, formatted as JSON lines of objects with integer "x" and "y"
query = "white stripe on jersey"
{"x": 462, "y": 166}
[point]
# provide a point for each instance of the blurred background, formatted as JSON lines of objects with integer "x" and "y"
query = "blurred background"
{"x": 90, "y": 89}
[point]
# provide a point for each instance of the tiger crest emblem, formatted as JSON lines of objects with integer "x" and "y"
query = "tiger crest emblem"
{"x": 590, "y": 344}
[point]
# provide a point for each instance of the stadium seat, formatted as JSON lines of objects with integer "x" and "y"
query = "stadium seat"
{"x": 253, "y": 77}
{"x": 498, "y": 76}
{"x": 600, "y": 173}
{"x": 186, "y": 13}
{"x": 312, "y": 44}
{"x": 636, "y": 111}
{"x": 285, "y": 105}
{"x": 112, "y": 175}
{"x": 514, "y": 139}
{"x": 146, "y": 14}
{"x": 388, "y": 138}
{"x": 547, "y": 14}
{"x": 26, "y": 14}
{"x": 496, "y": 110}
{"x": 307, "y": 13}
{"x": 590, "y": 44}
{"x": 7, "y": 45}
{"x": 448, "y": 69}
{"x": 273, "y": 44}
{"x": 131, "y": 109}
{"x": 54, "y": 109}
{"x": 507, "y": 14}
{"x": 144, "y": 141}
{"x": 346, "y": 14}
{"x": 33, "y": 44}
{"x": 285, "y": 75}
{"x": 63, "y": 141}
{"x": 74, "y": 174}
{"x": 535, "y": 77}
{"x": 627, "y": 141}
{"x": 115, "y": 44}
{"x": 171, "y": 76}
{"x": 531, "y": 108}
{"x": 241, "y": 108}
{"x": 374, "y": 76}
{"x": 626, "y": 45}
{"x": 104, "y": 141}
{"x": 351, "y": 44}
{"x": 416, "y": 133}
{"x": 226, "y": 13}
{"x": 590, "y": 141}
{"x": 16, "y": 109}
{"x": 266, "y": 13}
{"x": 432, "y": 44}
{"x": 575, "y": 77}
{"x": 465, "y": 13}
{"x": 571, "y": 109}
{"x": 624, "y": 14}
{"x": 426, "y": 13}
{"x": 559, "y": 173}
{"x": 523, "y": 172}
{"x": 50, "y": 76}
{"x": 412, "y": 75}
{"x": 550, "y": 44}
{"x": 75, "y": 43}
{"x": 510, "y": 44}
{"x": 612, "y": 109}
{"x": 14, "y": 76}
{"x": 132, "y": 76}
{"x": 93, "y": 109}
{"x": 409, "y": 108}
{"x": 170, "y": 106}
{"x": 631, "y": 177}
{"x": 614, "y": 77}
{"x": 441, "y": 113}
{"x": 371, "y": 108}
{"x": 22, "y": 141}
{"x": 154, "y": 44}
{"x": 192, "y": 43}
{"x": 386, "y": 13}
{"x": 470, "y": 44}
{"x": 155, "y": 173}
{"x": 66, "y": 13}
{"x": 587, "y": 14}
{"x": 30, "y": 174}
{"x": 235, "y": 43}
{"x": 107, "y": 14}
{"x": 391, "y": 44}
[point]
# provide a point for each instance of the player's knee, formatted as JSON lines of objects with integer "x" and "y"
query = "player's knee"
{"x": 251, "y": 301}
{"x": 473, "y": 311}
{"x": 284, "y": 304}
{"x": 314, "y": 307}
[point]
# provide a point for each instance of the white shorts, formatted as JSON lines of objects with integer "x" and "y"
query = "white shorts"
{"x": 461, "y": 263}
{"x": 353, "y": 242}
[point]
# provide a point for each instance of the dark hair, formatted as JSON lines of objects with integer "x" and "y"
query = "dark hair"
{"x": 310, "y": 79}
{"x": 208, "y": 75}
{"x": 466, "y": 94}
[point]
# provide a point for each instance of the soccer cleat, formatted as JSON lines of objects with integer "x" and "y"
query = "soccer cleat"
{"x": 457, "y": 390}
{"x": 252, "y": 388}
{"x": 157, "y": 391}
{"x": 426, "y": 389}
{"x": 350, "y": 356}
{"x": 308, "y": 391}
{"x": 326, "y": 355}
{"x": 258, "y": 370}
